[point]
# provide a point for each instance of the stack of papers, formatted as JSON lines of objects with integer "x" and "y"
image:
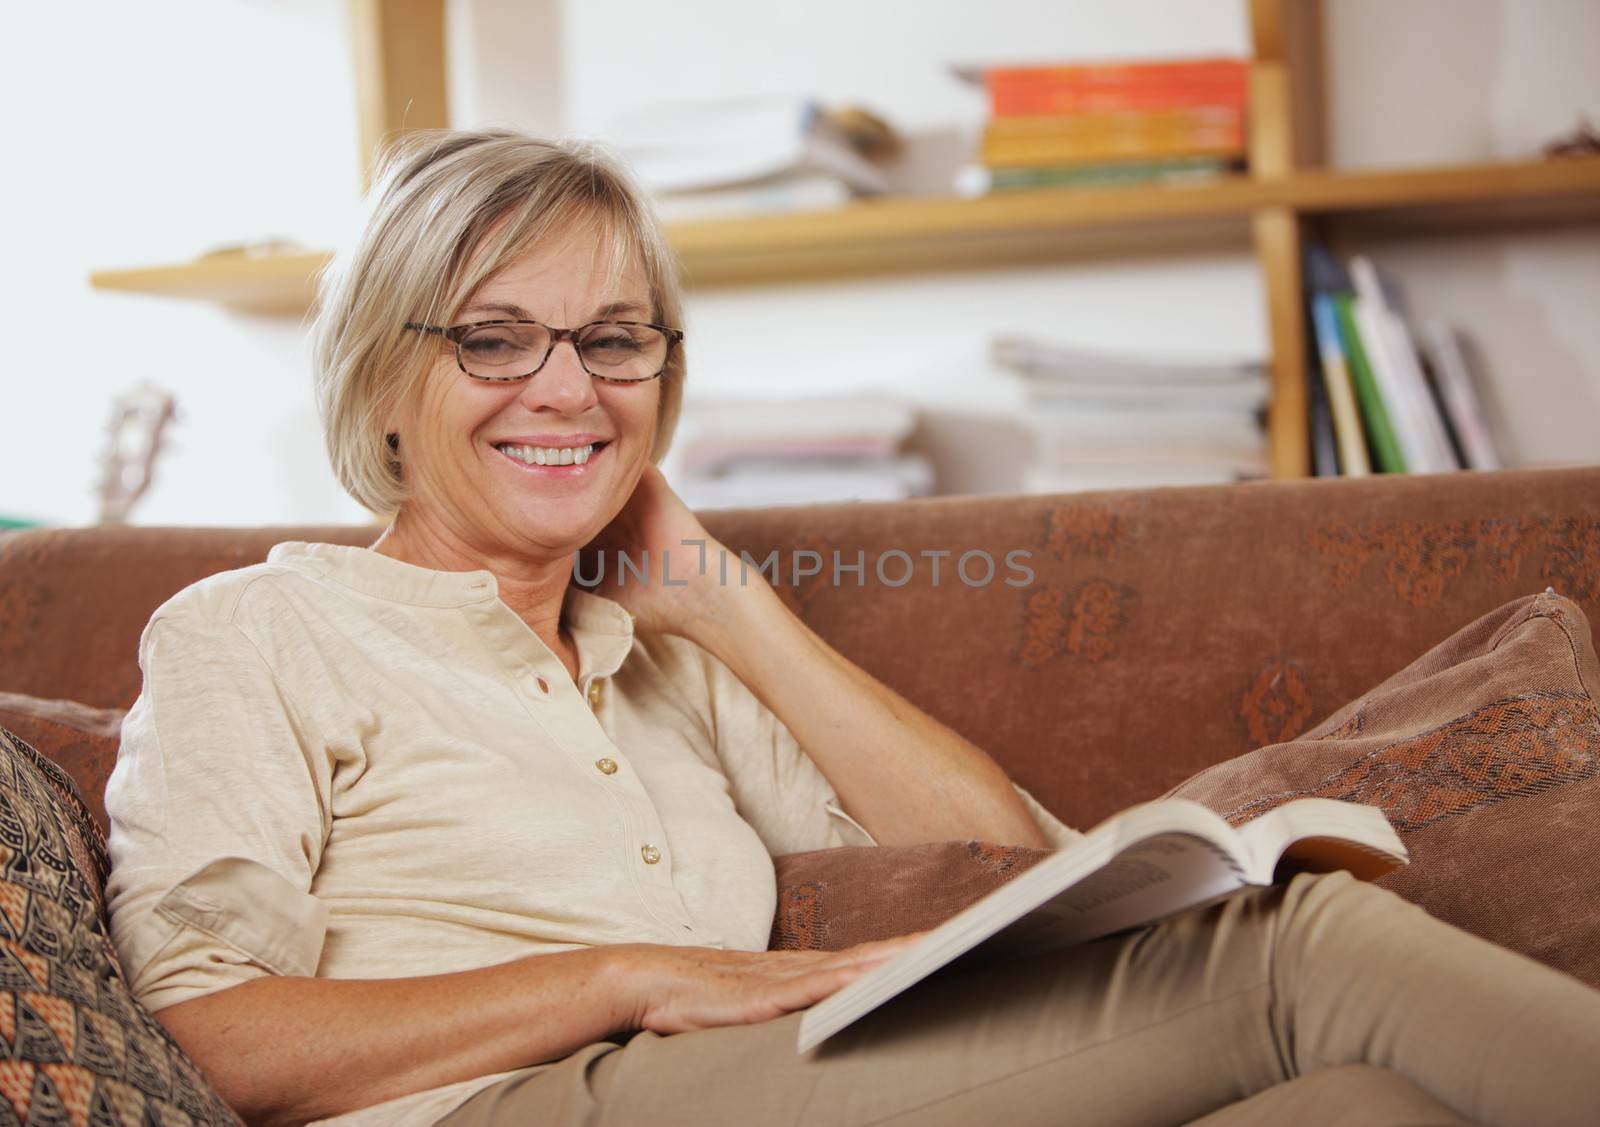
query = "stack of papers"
{"x": 1113, "y": 420}
{"x": 743, "y": 453}
{"x": 733, "y": 156}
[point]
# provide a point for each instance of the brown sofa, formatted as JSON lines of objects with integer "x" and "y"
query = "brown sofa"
{"x": 1161, "y": 631}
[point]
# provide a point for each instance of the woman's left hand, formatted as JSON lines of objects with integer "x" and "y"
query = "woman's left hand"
{"x": 665, "y": 540}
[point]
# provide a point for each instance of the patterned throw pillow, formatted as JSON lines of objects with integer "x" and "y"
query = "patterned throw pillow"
{"x": 75, "y": 1047}
{"x": 82, "y": 740}
{"x": 1485, "y": 755}
{"x": 829, "y": 899}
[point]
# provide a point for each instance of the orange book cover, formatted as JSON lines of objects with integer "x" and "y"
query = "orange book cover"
{"x": 1172, "y": 72}
{"x": 1113, "y": 87}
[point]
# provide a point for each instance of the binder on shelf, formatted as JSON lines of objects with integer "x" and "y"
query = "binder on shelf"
{"x": 1457, "y": 392}
{"x": 1393, "y": 356}
{"x": 1341, "y": 391}
{"x": 1375, "y": 415}
{"x": 1361, "y": 417}
{"x": 1324, "y": 447}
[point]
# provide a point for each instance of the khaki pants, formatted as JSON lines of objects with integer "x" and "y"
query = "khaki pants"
{"x": 1323, "y": 1001}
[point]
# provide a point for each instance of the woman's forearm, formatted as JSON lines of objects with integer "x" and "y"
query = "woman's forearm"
{"x": 903, "y": 775}
{"x": 287, "y": 1050}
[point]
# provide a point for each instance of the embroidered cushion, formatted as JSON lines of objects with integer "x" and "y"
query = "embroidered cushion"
{"x": 77, "y": 1047}
{"x": 1485, "y": 754}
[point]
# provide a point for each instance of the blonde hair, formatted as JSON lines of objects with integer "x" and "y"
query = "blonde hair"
{"x": 424, "y": 250}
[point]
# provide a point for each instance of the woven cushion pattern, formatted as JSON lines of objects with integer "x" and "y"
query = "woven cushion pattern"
{"x": 75, "y": 1047}
{"x": 1485, "y": 755}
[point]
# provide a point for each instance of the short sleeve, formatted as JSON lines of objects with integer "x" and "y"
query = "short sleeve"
{"x": 218, "y": 812}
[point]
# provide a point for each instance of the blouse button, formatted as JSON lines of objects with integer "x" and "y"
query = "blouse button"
{"x": 594, "y": 694}
{"x": 650, "y": 854}
{"x": 608, "y": 766}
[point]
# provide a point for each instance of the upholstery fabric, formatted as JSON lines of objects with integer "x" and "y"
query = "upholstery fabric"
{"x": 1485, "y": 754}
{"x": 82, "y": 741}
{"x": 1165, "y": 630}
{"x": 77, "y": 1047}
{"x": 829, "y": 899}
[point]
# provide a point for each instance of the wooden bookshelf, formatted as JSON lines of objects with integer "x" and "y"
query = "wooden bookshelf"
{"x": 893, "y": 235}
{"x": 1269, "y": 210}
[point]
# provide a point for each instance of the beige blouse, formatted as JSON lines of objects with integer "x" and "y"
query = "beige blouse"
{"x": 347, "y": 766}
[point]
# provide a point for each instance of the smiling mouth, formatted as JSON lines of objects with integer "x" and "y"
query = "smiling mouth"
{"x": 551, "y": 455}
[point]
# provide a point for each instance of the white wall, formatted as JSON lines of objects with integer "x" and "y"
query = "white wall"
{"x": 148, "y": 140}
{"x": 887, "y": 53}
{"x": 140, "y": 136}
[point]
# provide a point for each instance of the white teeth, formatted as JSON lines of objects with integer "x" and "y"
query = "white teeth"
{"x": 548, "y": 455}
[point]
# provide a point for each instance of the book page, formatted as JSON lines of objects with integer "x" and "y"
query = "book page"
{"x": 1142, "y": 865}
{"x": 1148, "y": 880}
{"x": 1150, "y": 861}
{"x": 1319, "y": 835}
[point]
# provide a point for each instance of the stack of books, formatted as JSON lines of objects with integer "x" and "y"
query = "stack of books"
{"x": 1104, "y": 421}
{"x": 1383, "y": 397}
{"x": 742, "y": 453}
{"x": 1109, "y": 123}
{"x": 741, "y": 156}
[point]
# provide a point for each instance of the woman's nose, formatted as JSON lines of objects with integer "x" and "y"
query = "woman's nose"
{"x": 562, "y": 384}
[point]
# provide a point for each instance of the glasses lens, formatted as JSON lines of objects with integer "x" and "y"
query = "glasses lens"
{"x": 501, "y": 352}
{"x": 623, "y": 352}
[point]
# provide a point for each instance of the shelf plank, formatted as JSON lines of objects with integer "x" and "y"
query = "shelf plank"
{"x": 273, "y": 283}
{"x": 1573, "y": 184}
{"x": 896, "y": 235}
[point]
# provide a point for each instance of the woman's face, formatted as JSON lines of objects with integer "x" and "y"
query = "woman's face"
{"x": 454, "y": 440}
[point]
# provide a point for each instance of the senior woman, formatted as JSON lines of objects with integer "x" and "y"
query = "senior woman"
{"x": 423, "y": 832}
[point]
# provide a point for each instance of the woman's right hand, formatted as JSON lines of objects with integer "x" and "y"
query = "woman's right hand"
{"x": 681, "y": 989}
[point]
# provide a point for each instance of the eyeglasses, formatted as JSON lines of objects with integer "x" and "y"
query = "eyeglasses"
{"x": 504, "y": 351}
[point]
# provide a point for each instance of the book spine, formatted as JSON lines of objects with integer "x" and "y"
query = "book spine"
{"x": 1385, "y": 443}
{"x": 1026, "y": 102}
{"x": 1324, "y": 448}
{"x": 1158, "y": 122}
{"x": 1114, "y": 172}
{"x": 1341, "y": 396}
{"x": 1402, "y": 408}
{"x": 1149, "y": 72}
{"x": 1030, "y": 153}
{"x": 1461, "y": 398}
{"x": 1158, "y": 132}
{"x": 1399, "y": 362}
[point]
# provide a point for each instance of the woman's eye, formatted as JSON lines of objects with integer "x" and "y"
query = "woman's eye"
{"x": 491, "y": 347}
{"x": 616, "y": 342}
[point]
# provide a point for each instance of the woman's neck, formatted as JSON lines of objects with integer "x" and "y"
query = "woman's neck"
{"x": 534, "y": 589}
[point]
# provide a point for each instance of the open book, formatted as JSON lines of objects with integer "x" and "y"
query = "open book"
{"x": 1150, "y": 861}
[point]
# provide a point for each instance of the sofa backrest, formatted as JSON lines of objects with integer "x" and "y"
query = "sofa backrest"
{"x": 1160, "y": 631}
